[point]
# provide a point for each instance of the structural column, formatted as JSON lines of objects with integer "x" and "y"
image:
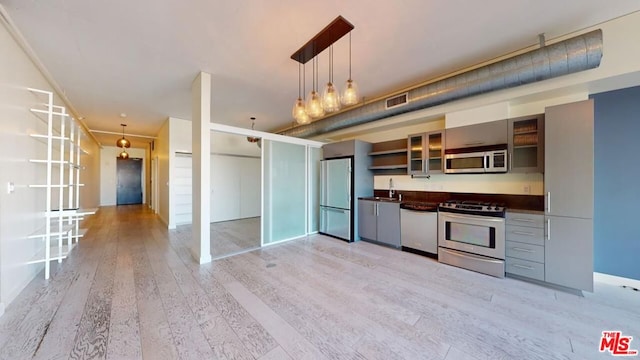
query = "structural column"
{"x": 201, "y": 138}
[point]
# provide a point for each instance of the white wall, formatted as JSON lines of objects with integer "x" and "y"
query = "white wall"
{"x": 90, "y": 174}
{"x": 236, "y": 183}
{"x": 161, "y": 152}
{"x": 109, "y": 173}
{"x": 177, "y": 133}
{"x": 21, "y": 211}
{"x": 179, "y": 141}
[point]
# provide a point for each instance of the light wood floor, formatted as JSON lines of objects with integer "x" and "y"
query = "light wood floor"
{"x": 130, "y": 290}
{"x": 228, "y": 237}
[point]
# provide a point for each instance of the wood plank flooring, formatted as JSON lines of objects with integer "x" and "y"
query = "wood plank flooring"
{"x": 228, "y": 237}
{"x": 131, "y": 290}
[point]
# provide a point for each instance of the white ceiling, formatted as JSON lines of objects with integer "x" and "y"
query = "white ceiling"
{"x": 140, "y": 57}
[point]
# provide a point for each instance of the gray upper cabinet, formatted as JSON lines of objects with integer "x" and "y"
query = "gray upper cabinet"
{"x": 568, "y": 179}
{"x": 425, "y": 153}
{"x": 526, "y": 144}
{"x": 489, "y": 133}
{"x": 339, "y": 149}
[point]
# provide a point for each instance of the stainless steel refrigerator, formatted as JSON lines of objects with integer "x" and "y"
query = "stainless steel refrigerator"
{"x": 344, "y": 176}
{"x": 335, "y": 198}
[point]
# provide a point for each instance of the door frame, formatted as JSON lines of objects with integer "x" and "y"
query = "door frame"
{"x": 154, "y": 185}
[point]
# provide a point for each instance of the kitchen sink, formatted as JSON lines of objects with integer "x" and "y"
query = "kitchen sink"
{"x": 381, "y": 198}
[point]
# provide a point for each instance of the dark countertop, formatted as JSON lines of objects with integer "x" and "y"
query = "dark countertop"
{"x": 525, "y": 202}
{"x": 409, "y": 205}
{"x": 380, "y": 198}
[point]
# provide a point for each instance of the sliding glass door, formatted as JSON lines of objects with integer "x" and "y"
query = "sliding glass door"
{"x": 285, "y": 191}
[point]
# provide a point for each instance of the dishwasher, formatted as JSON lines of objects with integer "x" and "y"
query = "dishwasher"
{"x": 419, "y": 228}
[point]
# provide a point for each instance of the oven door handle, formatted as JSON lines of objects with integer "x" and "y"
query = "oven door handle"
{"x": 484, "y": 218}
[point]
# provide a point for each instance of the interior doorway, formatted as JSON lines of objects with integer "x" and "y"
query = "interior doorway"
{"x": 129, "y": 189}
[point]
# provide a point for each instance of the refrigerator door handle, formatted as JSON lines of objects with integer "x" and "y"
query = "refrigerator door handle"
{"x": 323, "y": 179}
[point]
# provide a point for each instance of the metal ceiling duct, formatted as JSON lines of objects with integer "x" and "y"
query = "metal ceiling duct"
{"x": 576, "y": 54}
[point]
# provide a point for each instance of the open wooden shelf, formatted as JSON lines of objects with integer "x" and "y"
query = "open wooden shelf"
{"x": 389, "y": 157}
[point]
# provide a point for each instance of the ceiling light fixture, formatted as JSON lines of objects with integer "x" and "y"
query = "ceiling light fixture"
{"x": 123, "y": 154}
{"x": 331, "y": 95}
{"x": 316, "y": 106}
{"x": 314, "y": 103}
{"x": 299, "y": 113}
{"x": 122, "y": 142}
{"x": 253, "y": 139}
{"x": 350, "y": 94}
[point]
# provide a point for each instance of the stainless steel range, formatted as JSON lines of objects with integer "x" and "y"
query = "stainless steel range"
{"x": 471, "y": 235}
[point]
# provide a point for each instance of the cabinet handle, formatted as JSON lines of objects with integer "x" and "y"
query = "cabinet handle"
{"x": 522, "y": 249}
{"x": 522, "y": 266}
{"x": 548, "y": 229}
{"x": 523, "y": 220}
{"x": 510, "y": 161}
{"x": 474, "y": 143}
{"x": 377, "y": 211}
{"x": 523, "y": 233}
{"x": 549, "y": 201}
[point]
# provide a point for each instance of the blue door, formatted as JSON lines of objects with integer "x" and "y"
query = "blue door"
{"x": 129, "y": 181}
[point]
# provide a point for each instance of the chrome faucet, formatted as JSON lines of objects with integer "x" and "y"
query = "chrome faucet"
{"x": 391, "y": 191}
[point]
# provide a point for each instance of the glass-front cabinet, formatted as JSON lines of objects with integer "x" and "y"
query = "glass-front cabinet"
{"x": 526, "y": 144}
{"x": 425, "y": 153}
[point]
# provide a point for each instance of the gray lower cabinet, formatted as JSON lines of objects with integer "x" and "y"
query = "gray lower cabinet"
{"x": 569, "y": 252}
{"x": 367, "y": 219}
{"x": 525, "y": 250}
{"x": 379, "y": 221}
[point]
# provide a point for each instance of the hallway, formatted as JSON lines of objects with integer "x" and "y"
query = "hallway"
{"x": 131, "y": 290}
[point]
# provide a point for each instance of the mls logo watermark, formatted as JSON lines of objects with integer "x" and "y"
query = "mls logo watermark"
{"x": 617, "y": 344}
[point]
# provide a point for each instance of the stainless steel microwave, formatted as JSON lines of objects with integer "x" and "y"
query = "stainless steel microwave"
{"x": 476, "y": 161}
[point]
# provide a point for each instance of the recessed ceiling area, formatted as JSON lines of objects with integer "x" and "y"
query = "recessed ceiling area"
{"x": 140, "y": 57}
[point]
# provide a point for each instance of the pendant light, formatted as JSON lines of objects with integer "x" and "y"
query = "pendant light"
{"x": 122, "y": 142}
{"x": 331, "y": 95}
{"x": 123, "y": 154}
{"x": 314, "y": 102}
{"x": 350, "y": 94}
{"x": 299, "y": 112}
{"x": 253, "y": 139}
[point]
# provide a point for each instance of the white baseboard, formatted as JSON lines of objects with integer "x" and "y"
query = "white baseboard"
{"x": 616, "y": 280}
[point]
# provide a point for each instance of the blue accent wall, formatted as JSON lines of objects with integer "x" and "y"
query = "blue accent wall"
{"x": 617, "y": 183}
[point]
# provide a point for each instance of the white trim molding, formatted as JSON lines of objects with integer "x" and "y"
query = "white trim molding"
{"x": 264, "y": 135}
{"x": 616, "y": 280}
